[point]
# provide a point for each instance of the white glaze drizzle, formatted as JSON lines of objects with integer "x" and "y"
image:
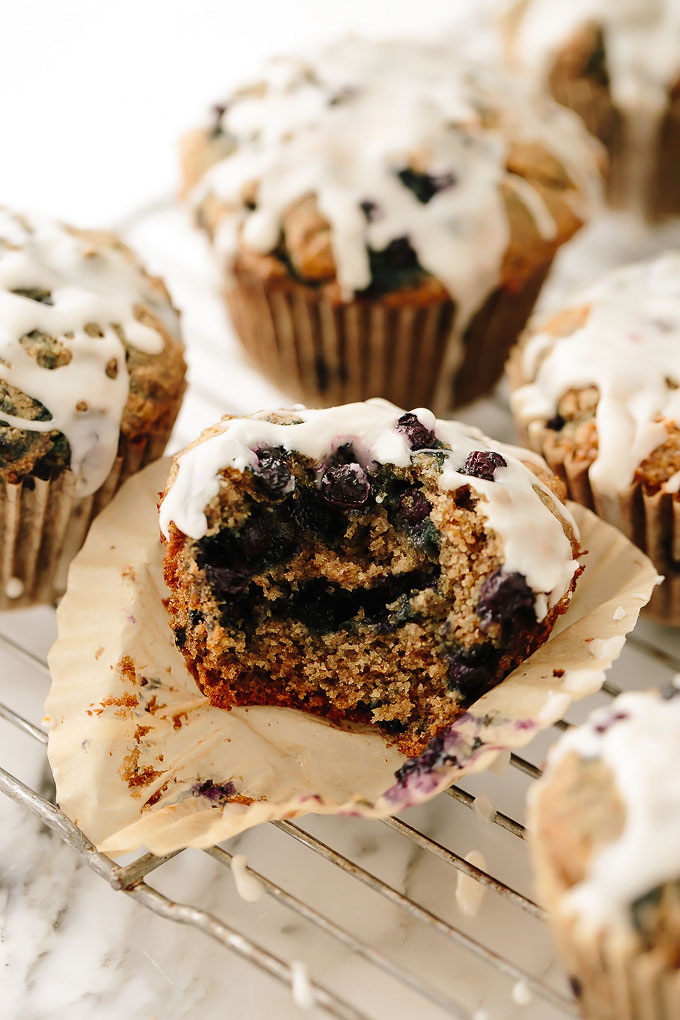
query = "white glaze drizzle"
{"x": 301, "y": 987}
{"x": 88, "y": 283}
{"x": 628, "y": 348}
{"x": 483, "y": 807}
{"x": 400, "y": 101}
{"x": 642, "y": 752}
{"x": 534, "y": 543}
{"x": 469, "y": 891}
{"x": 521, "y": 993}
{"x": 641, "y": 44}
{"x": 248, "y": 887}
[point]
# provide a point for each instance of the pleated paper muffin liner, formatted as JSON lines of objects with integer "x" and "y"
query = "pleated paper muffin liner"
{"x": 405, "y": 346}
{"x": 650, "y": 520}
{"x": 611, "y": 973}
{"x": 43, "y": 524}
{"x": 141, "y": 758}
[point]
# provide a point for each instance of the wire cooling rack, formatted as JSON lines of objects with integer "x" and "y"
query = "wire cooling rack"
{"x": 435, "y": 961}
{"x": 131, "y": 880}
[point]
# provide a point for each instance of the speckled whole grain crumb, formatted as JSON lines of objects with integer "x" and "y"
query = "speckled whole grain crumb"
{"x": 356, "y": 589}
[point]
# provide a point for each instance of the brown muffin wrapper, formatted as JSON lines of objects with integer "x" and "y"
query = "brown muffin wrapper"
{"x": 644, "y": 152}
{"x": 611, "y": 973}
{"x": 651, "y": 521}
{"x": 43, "y": 524}
{"x": 326, "y": 353}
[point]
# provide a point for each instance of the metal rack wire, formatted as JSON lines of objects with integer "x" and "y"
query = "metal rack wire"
{"x": 130, "y": 880}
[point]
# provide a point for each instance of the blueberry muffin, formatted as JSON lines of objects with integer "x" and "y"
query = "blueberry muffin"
{"x": 596, "y": 391}
{"x": 385, "y": 215}
{"x": 91, "y": 379}
{"x": 362, "y": 563}
{"x": 618, "y": 66}
{"x": 604, "y": 825}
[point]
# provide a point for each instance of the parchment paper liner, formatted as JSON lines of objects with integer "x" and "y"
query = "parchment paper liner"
{"x": 611, "y": 973}
{"x": 43, "y": 523}
{"x": 403, "y": 346}
{"x": 140, "y": 758}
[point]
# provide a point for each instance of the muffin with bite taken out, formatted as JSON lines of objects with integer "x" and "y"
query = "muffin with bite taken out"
{"x": 362, "y": 563}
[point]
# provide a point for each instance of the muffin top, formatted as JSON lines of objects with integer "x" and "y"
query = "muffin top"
{"x": 629, "y": 45}
{"x": 382, "y": 165}
{"x": 601, "y": 379}
{"x": 606, "y": 812}
{"x": 89, "y": 348}
{"x": 535, "y": 529}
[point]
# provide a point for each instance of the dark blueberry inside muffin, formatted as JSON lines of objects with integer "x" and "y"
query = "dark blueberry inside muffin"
{"x": 426, "y": 186}
{"x": 418, "y": 435}
{"x": 502, "y": 597}
{"x": 394, "y": 267}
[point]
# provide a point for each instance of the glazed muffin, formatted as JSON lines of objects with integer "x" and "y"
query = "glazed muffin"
{"x": 596, "y": 391}
{"x": 385, "y": 215}
{"x": 91, "y": 380}
{"x": 362, "y": 563}
{"x": 618, "y": 66}
{"x": 605, "y": 841}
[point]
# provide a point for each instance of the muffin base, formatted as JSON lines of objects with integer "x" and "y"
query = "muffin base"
{"x": 404, "y": 346}
{"x": 611, "y": 974}
{"x": 43, "y": 525}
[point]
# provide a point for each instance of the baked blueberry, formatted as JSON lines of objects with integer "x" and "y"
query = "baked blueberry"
{"x": 228, "y": 580}
{"x": 503, "y": 595}
{"x": 483, "y": 464}
{"x": 415, "y": 507}
{"x": 345, "y": 486}
{"x": 418, "y": 435}
{"x": 272, "y": 470}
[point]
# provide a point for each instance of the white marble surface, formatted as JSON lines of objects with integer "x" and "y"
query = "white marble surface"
{"x": 99, "y": 95}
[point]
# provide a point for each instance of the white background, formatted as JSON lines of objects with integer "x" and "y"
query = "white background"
{"x": 94, "y": 95}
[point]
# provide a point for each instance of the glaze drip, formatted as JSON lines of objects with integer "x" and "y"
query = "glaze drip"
{"x": 629, "y": 348}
